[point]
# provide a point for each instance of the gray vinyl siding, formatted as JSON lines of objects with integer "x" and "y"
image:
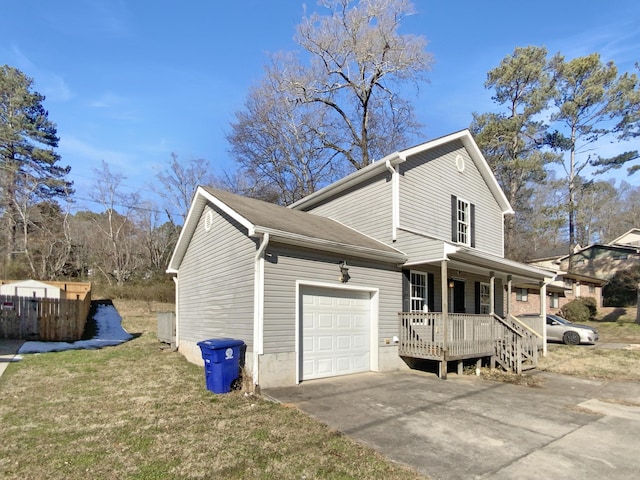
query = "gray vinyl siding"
{"x": 286, "y": 265}
{"x": 367, "y": 208}
{"x": 216, "y": 277}
{"x": 428, "y": 180}
{"x": 419, "y": 248}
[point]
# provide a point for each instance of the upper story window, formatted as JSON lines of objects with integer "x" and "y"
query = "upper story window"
{"x": 462, "y": 222}
{"x": 592, "y": 288}
{"x": 568, "y": 283}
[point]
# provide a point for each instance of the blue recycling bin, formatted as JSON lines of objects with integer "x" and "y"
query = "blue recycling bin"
{"x": 221, "y": 363}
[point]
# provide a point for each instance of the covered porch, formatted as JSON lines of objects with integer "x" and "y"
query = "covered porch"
{"x": 462, "y": 311}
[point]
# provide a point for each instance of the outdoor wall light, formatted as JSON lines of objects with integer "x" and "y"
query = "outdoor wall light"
{"x": 344, "y": 272}
{"x": 451, "y": 284}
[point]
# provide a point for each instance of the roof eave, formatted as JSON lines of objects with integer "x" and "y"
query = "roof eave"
{"x": 199, "y": 201}
{"x": 503, "y": 265}
{"x": 289, "y": 238}
{"x": 348, "y": 181}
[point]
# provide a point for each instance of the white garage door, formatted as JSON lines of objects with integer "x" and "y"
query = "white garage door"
{"x": 335, "y": 332}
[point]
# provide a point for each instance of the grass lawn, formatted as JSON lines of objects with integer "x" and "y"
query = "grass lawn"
{"x": 140, "y": 411}
{"x": 615, "y": 325}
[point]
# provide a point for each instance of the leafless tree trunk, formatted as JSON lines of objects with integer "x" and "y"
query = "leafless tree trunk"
{"x": 638, "y": 306}
{"x": 178, "y": 183}
{"x": 117, "y": 229}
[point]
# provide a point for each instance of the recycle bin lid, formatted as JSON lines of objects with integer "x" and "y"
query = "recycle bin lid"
{"x": 215, "y": 343}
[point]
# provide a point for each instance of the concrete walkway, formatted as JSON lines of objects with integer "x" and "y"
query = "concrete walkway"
{"x": 8, "y": 350}
{"x": 470, "y": 428}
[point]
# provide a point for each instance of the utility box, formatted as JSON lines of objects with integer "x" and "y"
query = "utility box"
{"x": 221, "y": 363}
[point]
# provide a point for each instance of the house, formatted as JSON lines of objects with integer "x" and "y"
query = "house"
{"x": 598, "y": 260}
{"x": 399, "y": 261}
{"x": 592, "y": 267}
{"x": 630, "y": 238}
{"x": 565, "y": 288}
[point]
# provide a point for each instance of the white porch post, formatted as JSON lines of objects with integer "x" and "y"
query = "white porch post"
{"x": 492, "y": 289}
{"x": 509, "y": 283}
{"x": 445, "y": 317}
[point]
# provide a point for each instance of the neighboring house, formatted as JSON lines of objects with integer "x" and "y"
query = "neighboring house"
{"x": 593, "y": 266}
{"x": 566, "y": 287}
{"x": 631, "y": 238}
{"x": 602, "y": 260}
{"x": 401, "y": 260}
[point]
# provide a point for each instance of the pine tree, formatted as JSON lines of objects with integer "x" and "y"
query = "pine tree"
{"x": 28, "y": 161}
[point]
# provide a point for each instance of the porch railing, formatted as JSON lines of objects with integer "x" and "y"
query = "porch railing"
{"x": 422, "y": 335}
{"x": 509, "y": 343}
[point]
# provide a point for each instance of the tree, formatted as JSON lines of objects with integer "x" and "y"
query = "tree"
{"x": 117, "y": 244}
{"x": 511, "y": 141}
{"x": 595, "y": 200}
{"x": 178, "y": 183}
{"x": 157, "y": 240}
{"x": 586, "y": 100}
{"x": 339, "y": 102}
{"x": 358, "y": 59}
{"x": 28, "y": 160}
{"x": 49, "y": 246}
{"x": 276, "y": 144}
{"x": 627, "y": 101}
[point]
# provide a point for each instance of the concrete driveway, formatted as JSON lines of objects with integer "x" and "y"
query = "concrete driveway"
{"x": 468, "y": 428}
{"x": 8, "y": 351}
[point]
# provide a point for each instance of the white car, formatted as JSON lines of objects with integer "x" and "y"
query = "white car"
{"x": 561, "y": 330}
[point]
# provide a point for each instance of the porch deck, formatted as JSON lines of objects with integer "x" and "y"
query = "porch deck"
{"x": 456, "y": 337}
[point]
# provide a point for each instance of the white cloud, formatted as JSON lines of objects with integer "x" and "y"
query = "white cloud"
{"x": 71, "y": 147}
{"x": 49, "y": 84}
{"x": 107, "y": 100}
{"x": 55, "y": 88}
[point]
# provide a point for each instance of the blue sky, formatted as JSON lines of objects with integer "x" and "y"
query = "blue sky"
{"x": 130, "y": 81}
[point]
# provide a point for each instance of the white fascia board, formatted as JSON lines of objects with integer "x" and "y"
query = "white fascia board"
{"x": 333, "y": 247}
{"x": 434, "y": 143}
{"x": 200, "y": 199}
{"x": 487, "y": 173}
{"x": 190, "y": 224}
{"x": 229, "y": 211}
{"x": 355, "y": 178}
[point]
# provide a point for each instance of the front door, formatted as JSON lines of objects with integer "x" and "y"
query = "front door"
{"x": 458, "y": 297}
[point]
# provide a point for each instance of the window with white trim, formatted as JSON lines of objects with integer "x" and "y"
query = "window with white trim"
{"x": 485, "y": 298}
{"x": 555, "y": 300}
{"x": 522, "y": 295}
{"x": 419, "y": 292}
{"x": 463, "y": 222}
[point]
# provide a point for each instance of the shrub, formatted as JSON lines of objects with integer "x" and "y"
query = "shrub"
{"x": 158, "y": 290}
{"x": 591, "y": 304}
{"x": 621, "y": 291}
{"x": 575, "y": 311}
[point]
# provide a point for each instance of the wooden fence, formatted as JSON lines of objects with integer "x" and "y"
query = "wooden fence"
{"x": 44, "y": 319}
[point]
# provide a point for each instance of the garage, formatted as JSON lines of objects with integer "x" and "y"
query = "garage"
{"x": 335, "y": 333}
